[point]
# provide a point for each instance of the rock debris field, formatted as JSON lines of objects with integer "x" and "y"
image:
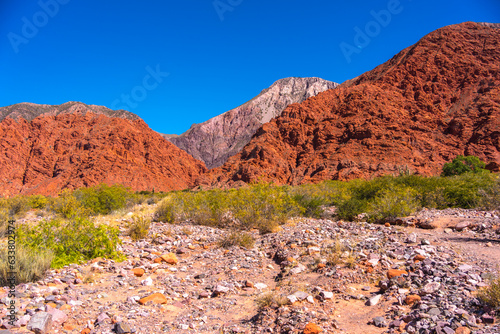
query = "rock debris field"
{"x": 312, "y": 276}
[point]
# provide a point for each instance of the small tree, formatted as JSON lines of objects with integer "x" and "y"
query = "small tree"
{"x": 461, "y": 165}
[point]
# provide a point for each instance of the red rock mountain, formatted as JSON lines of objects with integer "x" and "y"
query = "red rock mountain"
{"x": 432, "y": 101}
{"x": 221, "y": 137}
{"x": 82, "y": 148}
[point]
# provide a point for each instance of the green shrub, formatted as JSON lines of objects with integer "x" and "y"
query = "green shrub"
{"x": 491, "y": 294}
{"x": 103, "y": 199}
{"x": 167, "y": 210}
{"x": 490, "y": 196}
{"x": 464, "y": 191}
{"x": 68, "y": 206}
{"x": 73, "y": 241}
{"x": 236, "y": 238}
{"x": 30, "y": 266}
{"x": 203, "y": 208}
{"x": 392, "y": 203}
{"x": 311, "y": 200}
{"x": 138, "y": 228}
{"x": 263, "y": 206}
{"x": 351, "y": 208}
{"x": 259, "y": 206}
{"x": 37, "y": 201}
{"x": 461, "y": 165}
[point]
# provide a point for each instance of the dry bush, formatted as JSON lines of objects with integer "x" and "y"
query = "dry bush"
{"x": 237, "y": 239}
{"x": 30, "y": 266}
{"x": 270, "y": 299}
{"x": 491, "y": 294}
{"x": 138, "y": 228}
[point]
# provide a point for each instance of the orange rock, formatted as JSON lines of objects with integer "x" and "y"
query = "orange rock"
{"x": 395, "y": 273}
{"x": 65, "y": 307}
{"x": 321, "y": 265}
{"x": 51, "y": 284}
{"x": 138, "y": 272}
{"x": 53, "y": 305}
{"x": 312, "y": 328}
{"x": 387, "y": 225}
{"x": 462, "y": 330}
{"x": 85, "y": 331}
{"x": 170, "y": 258}
{"x": 158, "y": 260}
{"x": 411, "y": 299}
{"x": 418, "y": 258}
{"x": 191, "y": 247}
{"x": 68, "y": 327}
{"x": 291, "y": 259}
{"x": 156, "y": 298}
{"x": 402, "y": 326}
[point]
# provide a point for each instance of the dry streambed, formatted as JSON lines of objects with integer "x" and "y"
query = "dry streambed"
{"x": 313, "y": 276}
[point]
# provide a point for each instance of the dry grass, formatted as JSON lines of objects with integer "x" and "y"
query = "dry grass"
{"x": 30, "y": 266}
{"x": 270, "y": 299}
{"x": 491, "y": 294}
{"x": 186, "y": 231}
{"x": 237, "y": 239}
{"x": 334, "y": 253}
{"x": 89, "y": 277}
{"x": 139, "y": 227}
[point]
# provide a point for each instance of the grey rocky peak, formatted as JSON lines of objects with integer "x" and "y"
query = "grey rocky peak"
{"x": 30, "y": 111}
{"x": 221, "y": 137}
{"x": 491, "y": 25}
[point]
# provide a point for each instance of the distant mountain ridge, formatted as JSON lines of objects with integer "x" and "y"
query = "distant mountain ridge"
{"x": 223, "y": 136}
{"x": 30, "y": 111}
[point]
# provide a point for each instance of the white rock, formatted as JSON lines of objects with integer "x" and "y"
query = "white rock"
{"x": 327, "y": 294}
{"x": 465, "y": 267}
{"x": 374, "y": 300}
{"x": 147, "y": 282}
{"x": 298, "y": 269}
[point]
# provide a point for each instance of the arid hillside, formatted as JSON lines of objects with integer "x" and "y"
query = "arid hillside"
{"x": 72, "y": 150}
{"x": 432, "y": 101}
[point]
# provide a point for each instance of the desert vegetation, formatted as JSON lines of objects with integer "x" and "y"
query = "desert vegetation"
{"x": 265, "y": 207}
{"x": 68, "y": 230}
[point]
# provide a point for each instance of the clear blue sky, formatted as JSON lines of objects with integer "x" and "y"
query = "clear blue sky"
{"x": 184, "y": 61}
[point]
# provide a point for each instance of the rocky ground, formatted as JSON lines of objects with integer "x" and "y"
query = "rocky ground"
{"x": 314, "y": 275}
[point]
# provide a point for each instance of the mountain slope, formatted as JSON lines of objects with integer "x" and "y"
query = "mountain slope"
{"x": 29, "y": 111}
{"x": 215, "y": 140}
{"x": 432, "y": 101}
{"x": 73, "y": 150}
